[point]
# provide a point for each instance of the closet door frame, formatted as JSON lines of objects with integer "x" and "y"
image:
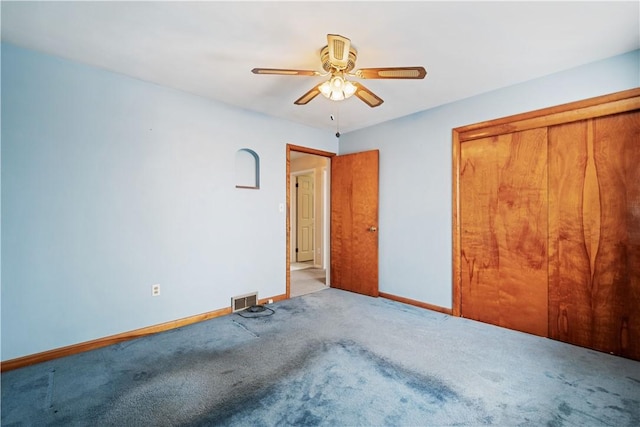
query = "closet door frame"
{"x": 619, "y": 102}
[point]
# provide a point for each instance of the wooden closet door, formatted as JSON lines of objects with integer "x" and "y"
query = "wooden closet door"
{"x": 503, "y": 219}
{"x": 594, "y": 229}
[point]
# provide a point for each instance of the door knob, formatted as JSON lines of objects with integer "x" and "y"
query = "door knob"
{"x": 373, "y": 229}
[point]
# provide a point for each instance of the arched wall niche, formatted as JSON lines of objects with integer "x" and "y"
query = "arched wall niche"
{"x": 247, "y": 164}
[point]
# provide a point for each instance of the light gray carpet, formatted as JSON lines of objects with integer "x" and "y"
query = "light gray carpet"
{"x": 307, "y": 281}
{"x": 330, "y": 358}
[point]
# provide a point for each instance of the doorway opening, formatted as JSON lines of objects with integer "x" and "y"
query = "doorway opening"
{"x": 305, "y": 221}
{"x": 308, "y": 191}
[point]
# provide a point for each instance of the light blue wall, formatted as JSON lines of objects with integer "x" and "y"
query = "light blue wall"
{"x": 111, "y": 184}
{"x": 415, "y": 170}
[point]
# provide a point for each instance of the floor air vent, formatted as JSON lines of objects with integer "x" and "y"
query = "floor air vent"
{"x": 243, "y": 301}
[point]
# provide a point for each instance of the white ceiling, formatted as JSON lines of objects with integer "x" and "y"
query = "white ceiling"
{"x": 209, "y": 48}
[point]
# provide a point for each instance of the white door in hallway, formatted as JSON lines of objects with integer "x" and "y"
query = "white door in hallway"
{"x": 305, "y": 218}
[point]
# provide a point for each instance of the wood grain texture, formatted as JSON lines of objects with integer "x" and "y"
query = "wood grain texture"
{"x": 628, "y": 100}
{"x": 593, "y": 222}
{"x": 456, "y": 261}
{"x": 594, "y": 244}
{"x": 354, "y": 209}
{"x": 503, "y": 218}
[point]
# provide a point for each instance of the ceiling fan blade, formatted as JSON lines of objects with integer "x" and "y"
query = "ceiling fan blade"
{"x": 308, "y": 96}
{"x": 369, "y": 98}
{"x": 285, "y": 72}
{"x": 391, "y": 73}
{"x": 338, "y": 50}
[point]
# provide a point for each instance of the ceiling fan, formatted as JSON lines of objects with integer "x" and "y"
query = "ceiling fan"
{"x": 338, "y": 61}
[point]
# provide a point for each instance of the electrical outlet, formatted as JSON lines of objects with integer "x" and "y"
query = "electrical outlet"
{"x": 155, "y": 290}
{"x": 270, "y": 301}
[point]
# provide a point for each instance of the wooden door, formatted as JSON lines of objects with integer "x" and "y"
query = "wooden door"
{"x": 503, "y": 222}
{"x": 594, "y": 245}
{"x": 354, "y": 222}
{"x": 304, "y": 218}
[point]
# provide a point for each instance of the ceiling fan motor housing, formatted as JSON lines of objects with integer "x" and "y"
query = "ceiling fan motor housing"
{"x": 330, "y": 66}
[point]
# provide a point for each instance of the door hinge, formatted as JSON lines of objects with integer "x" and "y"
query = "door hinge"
{"x": 296, "y": 250}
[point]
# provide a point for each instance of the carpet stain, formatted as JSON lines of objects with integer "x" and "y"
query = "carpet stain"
{"x": 425, "y": 385}
{"x": 142, "y": 376}
{"x": 565, "y": 408}
{"x": 634, "y": 380}
{"x": 567, "y": 382}
{"x": 307, "y": 418}
{"x": 332, "y": 380}
{"x": 631, "y": 409}
{"x": 603, "y": 416}
{"x": 556, "y": 422}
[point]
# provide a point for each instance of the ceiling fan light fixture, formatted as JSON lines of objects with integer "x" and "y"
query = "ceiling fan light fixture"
{"x": 337, "y": 88}
{"x": 349, "y": 89}
{"x": 325, "y": 89}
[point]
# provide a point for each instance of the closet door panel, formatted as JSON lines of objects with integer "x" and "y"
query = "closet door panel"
{"x": 594, "y": 246}
{"x": 571, "y": 260}
{"x": 617, "y": 158}
{"x": 503, "y": 217}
